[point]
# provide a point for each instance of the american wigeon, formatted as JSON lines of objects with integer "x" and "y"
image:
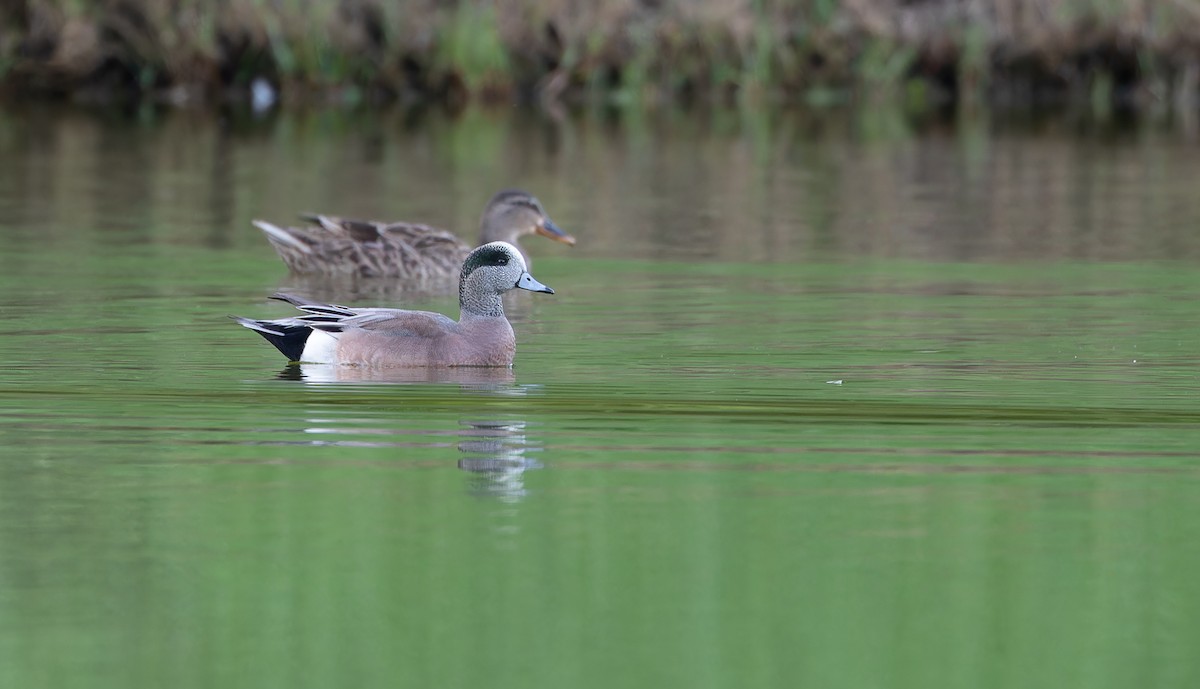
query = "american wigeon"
{"x": 482, "y": 336}
{"x": 420, "y": 255}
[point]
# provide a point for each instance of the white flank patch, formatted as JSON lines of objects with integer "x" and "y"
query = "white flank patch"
{"x": 320, "y": 348}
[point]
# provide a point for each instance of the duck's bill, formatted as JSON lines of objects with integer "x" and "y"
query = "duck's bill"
{"x": 528, "y": 282}
{"x": 547, "y": 228}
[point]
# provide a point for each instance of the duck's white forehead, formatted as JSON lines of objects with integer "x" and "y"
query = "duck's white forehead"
{"x": 513, "y": 252}
{"x": 489, "y": 255}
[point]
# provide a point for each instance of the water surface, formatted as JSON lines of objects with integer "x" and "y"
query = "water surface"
{"x": 849, "y": 402}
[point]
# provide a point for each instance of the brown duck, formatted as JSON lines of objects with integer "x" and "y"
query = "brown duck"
{"x": 420, "y": 255}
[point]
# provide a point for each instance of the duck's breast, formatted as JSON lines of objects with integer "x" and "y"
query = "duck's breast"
{"x": 477, "y": 342}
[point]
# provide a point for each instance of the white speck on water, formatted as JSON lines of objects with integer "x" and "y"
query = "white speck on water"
{"x": 834, "y": 382}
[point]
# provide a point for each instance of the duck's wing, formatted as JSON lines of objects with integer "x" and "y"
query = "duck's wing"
{"x": 335, "y": 318}
{"x": 439, "y": 252}
{"x": 417, "y": 235}
{"x": 424, "y": 239}
{"x": 401, "y": 323}
{"x": 346, "y": 228}
{"x": 417, "y": 254}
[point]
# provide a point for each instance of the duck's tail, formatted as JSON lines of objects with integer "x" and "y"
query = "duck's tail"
{"x": 283, "y": 240}
{"x": 288, "y": 335}
{"x": 291, "y": 335}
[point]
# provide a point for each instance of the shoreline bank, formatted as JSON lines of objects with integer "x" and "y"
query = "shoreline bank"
{"x": 1102, "y": 54}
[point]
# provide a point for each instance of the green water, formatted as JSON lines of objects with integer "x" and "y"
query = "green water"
{"x": 827, "y": 405}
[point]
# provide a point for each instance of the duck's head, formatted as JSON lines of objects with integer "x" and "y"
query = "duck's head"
{"x": 495, "y": 268}
{"x": 512, "y": 214}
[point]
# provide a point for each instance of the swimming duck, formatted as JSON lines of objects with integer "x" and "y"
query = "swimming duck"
{"x": 419, "y": 254}
{"x": 482, "y": 336}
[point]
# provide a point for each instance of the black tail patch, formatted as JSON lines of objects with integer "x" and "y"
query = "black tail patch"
{"x": 289, "y": 339}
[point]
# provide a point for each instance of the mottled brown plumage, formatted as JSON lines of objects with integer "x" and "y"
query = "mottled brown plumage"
{"x": 421, "y": 256}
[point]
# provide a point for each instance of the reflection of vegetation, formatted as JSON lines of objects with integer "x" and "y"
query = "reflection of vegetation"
{"x": 749, "y": 182}
{"x": 1099, "y": 52}
{"x": 996, "y": 472}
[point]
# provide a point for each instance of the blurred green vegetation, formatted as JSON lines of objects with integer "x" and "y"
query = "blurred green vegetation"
{"x": 1099, "y": 53}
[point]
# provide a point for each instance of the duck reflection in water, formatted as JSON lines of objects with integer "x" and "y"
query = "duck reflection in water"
{"x": 494, "y": 450}
{"x": 495, "y": 456}
{"x": 497, "y": 378}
